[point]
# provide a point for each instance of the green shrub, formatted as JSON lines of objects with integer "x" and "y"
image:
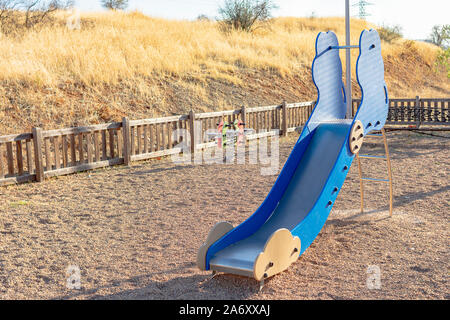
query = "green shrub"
{"x": 390, "y": 33}
{"x": 245, "y": 14}
{"x": 443, "y": 61}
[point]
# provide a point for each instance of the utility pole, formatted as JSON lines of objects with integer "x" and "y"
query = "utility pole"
{"x": 362, "y": 4}
{"x": 348, "y": 74}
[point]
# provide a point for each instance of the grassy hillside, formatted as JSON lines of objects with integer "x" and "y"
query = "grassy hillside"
{"x": 130, "y": 64}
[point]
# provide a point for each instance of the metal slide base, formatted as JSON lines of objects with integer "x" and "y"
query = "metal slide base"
{"x": 279, "y": 252}
{"x": 227, "y": 269}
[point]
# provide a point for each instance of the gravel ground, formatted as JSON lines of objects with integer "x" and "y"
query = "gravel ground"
{"x": 134, "y": 232}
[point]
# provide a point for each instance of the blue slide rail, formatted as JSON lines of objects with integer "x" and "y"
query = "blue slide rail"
{"x": 309, "y": 183}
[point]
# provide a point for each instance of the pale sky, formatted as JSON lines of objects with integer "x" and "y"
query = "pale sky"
{"x": 416, "y": 17}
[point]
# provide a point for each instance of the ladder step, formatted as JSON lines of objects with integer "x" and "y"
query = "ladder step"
{"x": 376, "y": 180}
{"x": 367, "y": 156}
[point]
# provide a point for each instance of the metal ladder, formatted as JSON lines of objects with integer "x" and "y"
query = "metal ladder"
{"x": 386, "y": 158}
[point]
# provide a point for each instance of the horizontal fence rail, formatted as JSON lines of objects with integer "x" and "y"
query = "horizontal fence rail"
{"x": 40, "y": 154}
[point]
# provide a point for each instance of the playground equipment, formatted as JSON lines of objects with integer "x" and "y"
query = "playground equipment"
{"x": 296, "y": 208}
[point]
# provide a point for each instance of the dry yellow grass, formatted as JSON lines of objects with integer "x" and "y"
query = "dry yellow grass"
{"x": 120, "y": 59}
{"x": 125, "y": 47}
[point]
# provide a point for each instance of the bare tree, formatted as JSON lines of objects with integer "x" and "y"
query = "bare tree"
{"x": 7, "y": 8}
{"x": 37, "y": 11}
{"x": 440, "y": 35}
{"x": 244, "y": 14}
{"x": 16, "y": 15}
{"x": 115, "y": 4}
{"x": 6, "y": 5}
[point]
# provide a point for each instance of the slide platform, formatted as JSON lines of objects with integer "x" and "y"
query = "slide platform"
{"x": 299, "y": 203}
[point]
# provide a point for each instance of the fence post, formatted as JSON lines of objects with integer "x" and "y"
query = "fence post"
{"x": 126, "y": 141}
{"x": 284, "y": 116}
{"x": 244, "y": 115}
{"x": 418, "y": 112}
{"x": 192, "y": 130}
{"x": 37, "y": 141}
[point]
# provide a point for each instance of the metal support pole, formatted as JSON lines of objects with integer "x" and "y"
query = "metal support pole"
{"x": 388, "y": 158}
{"x": 348, "y": 60}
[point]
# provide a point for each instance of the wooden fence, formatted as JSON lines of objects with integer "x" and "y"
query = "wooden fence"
{"x": 416, "y": 111}
{"x": 42, "y": 154}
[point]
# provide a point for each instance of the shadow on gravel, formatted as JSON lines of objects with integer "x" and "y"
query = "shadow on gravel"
{"x": 409, "y": 197}
{"x": 157, "y": 170}
{"x": 196, "y": 287}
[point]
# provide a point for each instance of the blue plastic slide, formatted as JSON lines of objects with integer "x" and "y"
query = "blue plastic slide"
{"x": 296, "y": 208}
